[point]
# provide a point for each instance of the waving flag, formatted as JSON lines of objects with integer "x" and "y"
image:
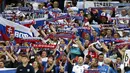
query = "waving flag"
{"x": 8, "y": 27}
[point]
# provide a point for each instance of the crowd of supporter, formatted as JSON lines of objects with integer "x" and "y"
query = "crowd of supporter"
{"x": 77, "y": 40}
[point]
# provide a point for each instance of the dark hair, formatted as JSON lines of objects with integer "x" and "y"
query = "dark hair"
{"x": 3, "y": 56}
{"x": 112, "y": 65}
{"x": 119, "y": 57}
{"x": 24, "y": 55}
{"x": 39, "y": 65}
{"x": 100, "y": 54}
{"x": 118, "y": 70}
{"x": 89, "y": 57}
{"x": 74, "y": 2}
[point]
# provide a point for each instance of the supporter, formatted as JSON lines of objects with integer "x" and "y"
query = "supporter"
{"x": 25, "y": 67}
{"x": 103, "y": 20}
{"x": 106, "y": 67}
{"x": 80, "y": 67}
{"x": 74, "y": 8}
{"x": 81, "y": 12}
{"x": 50, "y": 66}
{"x": 55, "y": 5}
{"x": 123, "y": 14}
{"x": 41, "y": 6}
{"x": 103, "y": 33}
{"x": 37, "y": 67}
{"x": 94, "y": 13}
{"x": 61, "y": 64}
{"x": 44, "y": 57}
{"x": 2, "y": 64}
{"x": 94, "y": 36}
{"x": 109, "y": 33}
{"x": 38, "y": 58}
{"x": 94, "y": 64}
{"x": 62, "y": 45}
{"x": 116, "y": 35}
{"x": 12, "y": 40}
{"x": 87, "y": 19}
{"x": 87, "y": 60}
{"x": 74, "y": 49}
{"x": 100, "y": 59}
{"x": 15, "y": 62}
{"x": 125, "y": 33}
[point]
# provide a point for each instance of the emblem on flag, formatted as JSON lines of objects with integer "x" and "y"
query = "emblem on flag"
{"x": 10, "y": 30}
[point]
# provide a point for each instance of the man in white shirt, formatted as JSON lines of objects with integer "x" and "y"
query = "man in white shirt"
{"x": 100, "y": 59}
{"x": 80, "y": 67}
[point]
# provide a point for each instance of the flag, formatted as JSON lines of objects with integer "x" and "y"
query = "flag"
{"x": 27, "y": 23}
{"x": 8, "y": 27}
{"x": 3, "y": 34}
{"x": 34, "y": 31}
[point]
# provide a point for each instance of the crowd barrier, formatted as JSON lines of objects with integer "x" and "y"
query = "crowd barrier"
{"x": 7, "y": 70}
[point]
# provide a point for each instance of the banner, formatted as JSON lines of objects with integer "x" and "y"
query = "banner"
{"x": 51, "y": 46}
{"x": 127, "y": 58}
{"x": 92, "y": 3}
{"x": 65, "y": 31}
{"x": 62, "y": 35}
{"x": 99, "y": 3}
{"x": 39, "y": 1}
{"x": 91, "y": 71}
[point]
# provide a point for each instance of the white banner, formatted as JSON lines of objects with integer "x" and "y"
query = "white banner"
{"x": 99, "y": 3}
{"x": 93, "y": 3}
{"x": 127, "y": 58}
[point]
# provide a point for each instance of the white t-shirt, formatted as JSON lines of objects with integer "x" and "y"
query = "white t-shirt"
{"x": 79, "y": 69}
{"x": 122, "y": 68}
{"x": 44, "y": 59}
{"x": 100, "y": 63}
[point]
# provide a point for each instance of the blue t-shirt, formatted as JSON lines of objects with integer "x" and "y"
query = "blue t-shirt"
{"x": 107, "y": 69}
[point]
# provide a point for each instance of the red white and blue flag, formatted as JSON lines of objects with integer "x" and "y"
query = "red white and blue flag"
{"x": 8, "y": 27}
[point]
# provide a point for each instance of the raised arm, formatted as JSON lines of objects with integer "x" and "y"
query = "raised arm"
{"x": 80, "y": 45}
{"x": 105, "y": 47}
{"x": 50, "y": 68}
{"x": 8, "y": 54}
{"x": 53, "y": 29}
{"x": 68, "y": 46}
{"x": 43, "y": 33}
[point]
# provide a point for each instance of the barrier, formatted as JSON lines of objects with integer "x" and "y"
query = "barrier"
{"x": 7, "y": 70}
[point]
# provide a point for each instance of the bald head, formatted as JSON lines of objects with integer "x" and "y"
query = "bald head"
{"x": 107, "y": 61}
{"x": 80, "y": 60}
